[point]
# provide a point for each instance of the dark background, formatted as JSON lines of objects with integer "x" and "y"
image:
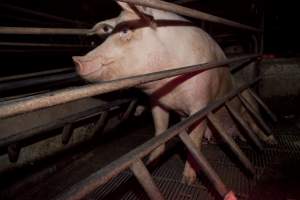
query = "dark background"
{"x": 281, "y": 32}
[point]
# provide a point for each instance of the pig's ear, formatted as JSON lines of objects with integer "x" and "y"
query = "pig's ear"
{"x": 134, "y": 9}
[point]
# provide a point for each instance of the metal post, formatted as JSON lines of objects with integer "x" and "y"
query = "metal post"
{"x": 263, "y": 105}
{"x": 13, "y": 152}
{"x": 231, "y": 143}
{"x": 129, "y": 110}
{"x": 100, "y": 124}
{"x": 254, "y": 114}
{"x": 143, "y": 176}
{"x": 67, "y": 133}
{"x": 245, "y": 126}
{"x": 204, "y": 165}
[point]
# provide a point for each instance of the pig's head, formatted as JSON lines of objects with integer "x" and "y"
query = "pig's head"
{"x": 132, "y": 48}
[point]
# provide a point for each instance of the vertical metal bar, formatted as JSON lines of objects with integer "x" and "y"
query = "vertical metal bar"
{"x": 254, "y": 114}
{"x": 67, "y": 133}
{"x": 231, "y": 143}
{"x": 204, "y": 165}
{"x": 241, "y": 121}
{"x": 100, "y": 124}
{"x": 13, "y": 152}
{"x": 143, "y": 176}
{"x": 263, "y": 105}
{"x": 129, "y": 110}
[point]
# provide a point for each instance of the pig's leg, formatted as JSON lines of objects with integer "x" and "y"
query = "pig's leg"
{"x": 189, "y": 172}
{"x": 161, "y": 122}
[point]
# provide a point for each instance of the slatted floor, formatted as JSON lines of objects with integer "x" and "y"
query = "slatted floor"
{"x": 277, "y": 175}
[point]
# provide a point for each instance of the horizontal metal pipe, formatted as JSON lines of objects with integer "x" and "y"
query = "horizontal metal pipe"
{"x": 67, "y": 95}
{"x": 29, "y": 44}
{"x": 43, "y": 31}
{"x": 58, "y": 123}
{"x": 37, "y": 81}
{"x": 42, "y": 14}
{"x": 166, "y": 6}
{"x": 30, "y": 75}
{"x": 87, "y": 185}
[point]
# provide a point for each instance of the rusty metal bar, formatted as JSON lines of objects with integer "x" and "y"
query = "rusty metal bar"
{"x": 231, "y": 143}
{"x": 254, "y": 114}
{"x": 204, "y": 165}
{"x": 144, "y": 177}
{"x": 42, "y": 14}
{"x": 67, "y": 133}
{"x": 43, "y": 31}
{"x": 245, "y": 126}
{"x": 13, "y": 152}
{"x": 263, "y": 105}
{"x": 67, "y": 95}
{"x": 37, "y": 81}
{"x": 17, "y": 137}
{"x": 100, "y": 124}
{"x": 87, "y": 185}
{"x": 30, "y": 75}
{"x": 166, "y": 6}
{"x": 129, "y": 110}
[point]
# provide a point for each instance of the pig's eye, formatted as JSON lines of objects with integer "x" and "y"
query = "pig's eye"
{"x": 125, "y": 32}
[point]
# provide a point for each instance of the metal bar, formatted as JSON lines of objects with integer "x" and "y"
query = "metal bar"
{"x": 144, "y": 177}
{"x": 43, "y": 31}
{"x": 42, "y": 14}
{"x": 37, "y": 81}
{"x": 231, "y": 143}
{"x": 29, "y": 44}
{"x": 87, "y": 185}
{"x": 166, "y": 6}
{"x": 30, "y": 75}
{"x": 67, "y": 133}
{"x": 245, "y": 126}
{"x": 235, "y": 68}
{"x": 254, "y": 114}
{"x": 19, "y": 136}
{"x": 129, "y": 110}
{"x": 67, "y": 95}
{"x": 100, "y": 124}
{"x": 204, "y": 165}
{"x": 13, "y": 152}
{"x": 263, "y": 105}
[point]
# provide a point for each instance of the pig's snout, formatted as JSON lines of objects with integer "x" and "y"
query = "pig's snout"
{"x": 78, "y": 63}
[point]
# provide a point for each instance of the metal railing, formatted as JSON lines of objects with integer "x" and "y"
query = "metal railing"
{"x": 132, "y": 159}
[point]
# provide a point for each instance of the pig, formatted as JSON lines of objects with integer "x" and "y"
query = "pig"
{"x": 145, "y": 40}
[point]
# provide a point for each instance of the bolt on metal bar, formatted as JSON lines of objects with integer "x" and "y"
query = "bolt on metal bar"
{"x": 19, "y": 136}
{"x": 67, "y": 95}
{"x": 67, "y": 133}
{"x": 43, "y": 31}
{"x": 254, "y": 114}
{"x": 251, "y": 135}
{"x": 87, "y": 185}
{"x": 144, "y": 177}
{"x": 100, "y": 124}
{"x": 231, "y": 143}
{"x": 263, "y": 105}
{"x": 204, "y": 165}
{"x": 30, "y": 75}
{"x": 166, "y": 6}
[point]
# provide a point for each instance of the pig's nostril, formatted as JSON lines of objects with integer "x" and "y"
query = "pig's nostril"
{"x": 77, "y": 63}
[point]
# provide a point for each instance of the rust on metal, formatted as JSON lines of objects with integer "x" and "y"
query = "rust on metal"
{"x": 231, "y": 143}
{"x": 87, "y": 185}
{"x": 100, "y": 124}
{"x": 181, "y": 10}
{"x": 144, "y": 177}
